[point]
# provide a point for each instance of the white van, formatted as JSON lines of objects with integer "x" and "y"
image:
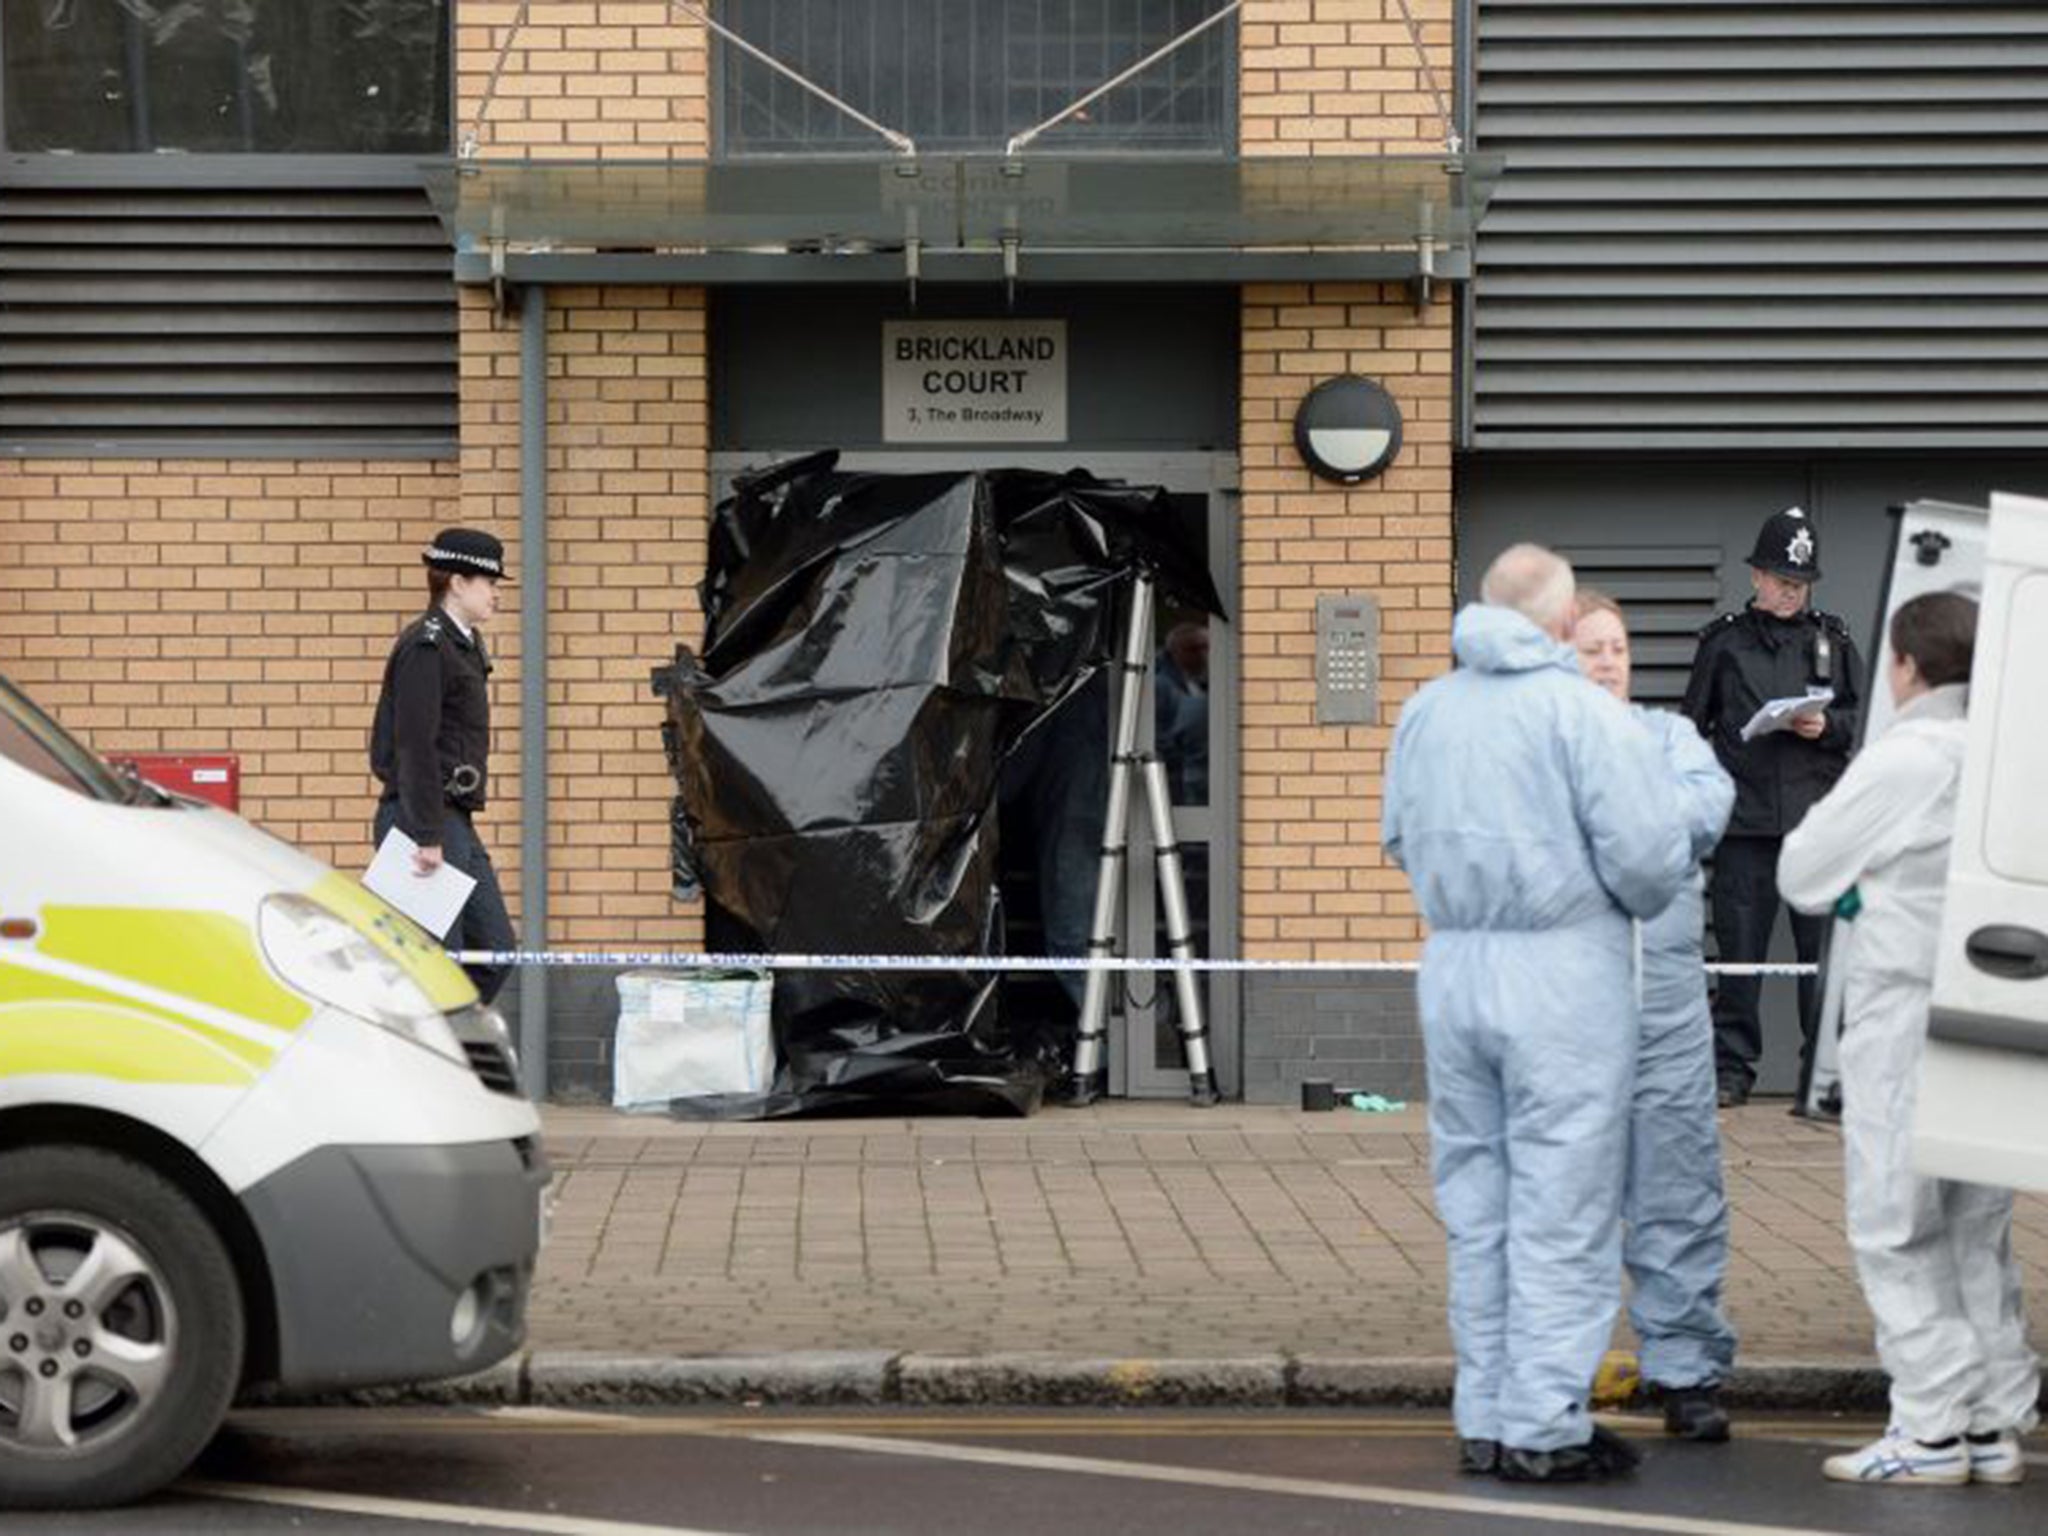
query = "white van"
{"x": 1982, "y": 1114}
{"x": 254, "y": 1129}
{"x": 1937, "y": 546}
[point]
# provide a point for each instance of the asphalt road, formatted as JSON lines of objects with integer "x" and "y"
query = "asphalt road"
{"x": 1150, "y": 1473}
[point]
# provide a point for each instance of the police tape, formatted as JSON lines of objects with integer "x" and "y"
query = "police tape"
{"x": 691, "y": 961}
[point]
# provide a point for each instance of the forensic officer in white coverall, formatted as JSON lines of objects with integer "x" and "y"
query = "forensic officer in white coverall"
{"x": 1934, "y": 1255}
{"x": 1675, "y": 1207}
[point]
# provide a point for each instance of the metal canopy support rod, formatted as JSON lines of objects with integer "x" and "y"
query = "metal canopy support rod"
{"x": 1126, "y": 762}
{"x": 1452, "y": 141}
{"x": 1018, "y": 141}
{"x": 483, "y": 108}
{"x": 901, "y": 142}
{"x": 533, "y": 684}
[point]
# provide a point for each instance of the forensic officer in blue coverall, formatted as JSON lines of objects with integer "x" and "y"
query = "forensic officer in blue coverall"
{"x": 1534, "y": 817}
{"x": 1675, "y": 1208}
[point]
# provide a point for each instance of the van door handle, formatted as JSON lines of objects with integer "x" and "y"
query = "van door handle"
{"x": 2017, "y": 954}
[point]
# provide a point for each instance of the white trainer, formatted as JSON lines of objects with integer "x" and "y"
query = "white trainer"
{"x": 1997, "y": 1461}
{"x": 1900, "y": 1461}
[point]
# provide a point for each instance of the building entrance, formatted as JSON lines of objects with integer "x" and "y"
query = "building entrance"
{"x": 1051, "y": 801}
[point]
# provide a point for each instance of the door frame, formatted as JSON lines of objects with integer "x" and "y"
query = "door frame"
{"x": 1132, "y": 1073}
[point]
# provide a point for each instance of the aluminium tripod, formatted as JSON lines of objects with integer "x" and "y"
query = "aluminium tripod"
{"x": 1090, "y": 1071}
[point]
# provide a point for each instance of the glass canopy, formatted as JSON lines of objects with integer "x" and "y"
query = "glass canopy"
{"x": 1154, "y": 206}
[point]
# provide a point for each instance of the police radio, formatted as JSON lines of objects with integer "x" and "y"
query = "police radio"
{"x": 1823, "y": 654}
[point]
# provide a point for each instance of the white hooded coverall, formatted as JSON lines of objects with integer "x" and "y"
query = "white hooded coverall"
{"x": 1935, "y": 1256}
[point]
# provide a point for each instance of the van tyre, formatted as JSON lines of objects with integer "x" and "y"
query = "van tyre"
{"x": 121, "y": 1329}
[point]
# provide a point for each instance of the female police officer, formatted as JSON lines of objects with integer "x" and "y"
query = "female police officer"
{"x": 430, "y": 740}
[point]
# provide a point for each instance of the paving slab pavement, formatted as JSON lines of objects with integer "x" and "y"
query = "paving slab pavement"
{"x": 1125, "y": 1251}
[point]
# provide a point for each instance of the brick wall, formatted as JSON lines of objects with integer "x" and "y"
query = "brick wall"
{"x": 1341, "y": 76}
{"x": 629, "y": 435}
{"x": 596, "y": 80}
{"x": 1331, "y": 76}
{"x": 628, "y": 481}
{"x": 1328, "y": 77}
{"x": 202, "y": 606}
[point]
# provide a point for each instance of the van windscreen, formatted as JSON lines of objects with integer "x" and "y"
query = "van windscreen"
{"x": 33, "y": 740}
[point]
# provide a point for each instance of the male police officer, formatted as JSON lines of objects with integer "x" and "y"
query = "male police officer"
{"x": 430, "y": 741}
{"x": 1775, "y": 648}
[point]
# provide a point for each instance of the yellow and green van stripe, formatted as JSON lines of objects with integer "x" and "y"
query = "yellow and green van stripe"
{"x": 51, "y": 1023}
{"x": 120, "y": 1024}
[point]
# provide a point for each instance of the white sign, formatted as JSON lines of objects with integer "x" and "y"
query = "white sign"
{"x": 974, "y": 381}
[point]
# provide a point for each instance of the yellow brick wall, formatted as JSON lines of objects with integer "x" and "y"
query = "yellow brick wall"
{"x": 1341, "y": 76}
{"x": 629, "y": 463}
{"x": 602, "y": 79}
{"x": 628, "y": 481}
{"x": 1327, "y": 77}
{"x": 627, "y": 455}
{"x": 206, "y": 606}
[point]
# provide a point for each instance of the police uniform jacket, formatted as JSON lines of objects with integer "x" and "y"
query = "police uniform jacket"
{"x": 430, "y": 740}
{"x": 1748, "y": 658}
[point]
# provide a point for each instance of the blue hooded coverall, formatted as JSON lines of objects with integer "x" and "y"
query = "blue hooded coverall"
{"x": 1534, "y": 816}
{"x": 1676, "y": 1245}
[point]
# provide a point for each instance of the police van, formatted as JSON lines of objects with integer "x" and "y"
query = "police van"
{"x": 255, "y": 1129}
{"x": 1982, "y": 1110}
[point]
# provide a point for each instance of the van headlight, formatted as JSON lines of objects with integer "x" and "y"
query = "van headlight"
{"x": 332, "y": 962}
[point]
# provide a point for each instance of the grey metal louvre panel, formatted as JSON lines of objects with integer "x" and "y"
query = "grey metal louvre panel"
{"x": 273, "y": 321}
{"x": 1790, "y": 223}
{"x": 1667, "y": 594}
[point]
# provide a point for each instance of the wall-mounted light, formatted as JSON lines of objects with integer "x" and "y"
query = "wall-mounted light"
{"x": 1347, "y": 429}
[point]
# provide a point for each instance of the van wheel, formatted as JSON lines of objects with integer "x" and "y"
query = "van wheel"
{"x": 121, "y": 1329}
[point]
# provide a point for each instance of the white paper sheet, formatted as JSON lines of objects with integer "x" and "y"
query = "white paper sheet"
{"x": 432, "y": 901}
{"x": 1778, "y": 714}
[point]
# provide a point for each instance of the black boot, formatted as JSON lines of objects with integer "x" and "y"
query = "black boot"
{"x": 1694, "y": 1413}
{"x": 1478, "y": 1458}
{"x": 1604, "y": 1456}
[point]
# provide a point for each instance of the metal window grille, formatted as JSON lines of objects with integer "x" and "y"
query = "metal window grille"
{"x": 1766, "y": 223}
{"x": 963, "y": 75}
{"x": 1669, "y": 593}
{"x": 259, "y": 322}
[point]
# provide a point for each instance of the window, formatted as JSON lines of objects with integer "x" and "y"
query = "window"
{"x": 964, "y": 75}
{"x": 213, "y": 238}
{"x": 353, "y": 77}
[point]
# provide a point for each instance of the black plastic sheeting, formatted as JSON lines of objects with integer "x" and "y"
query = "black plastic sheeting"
{"x": 876, "y": 645}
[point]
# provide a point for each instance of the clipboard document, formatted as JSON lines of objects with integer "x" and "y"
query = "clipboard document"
{"x": 433, "y": 901}
{"x": 1778, "y": 714}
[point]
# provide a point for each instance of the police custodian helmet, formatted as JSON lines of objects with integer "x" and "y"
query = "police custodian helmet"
{"x": 1787, "y": 546}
